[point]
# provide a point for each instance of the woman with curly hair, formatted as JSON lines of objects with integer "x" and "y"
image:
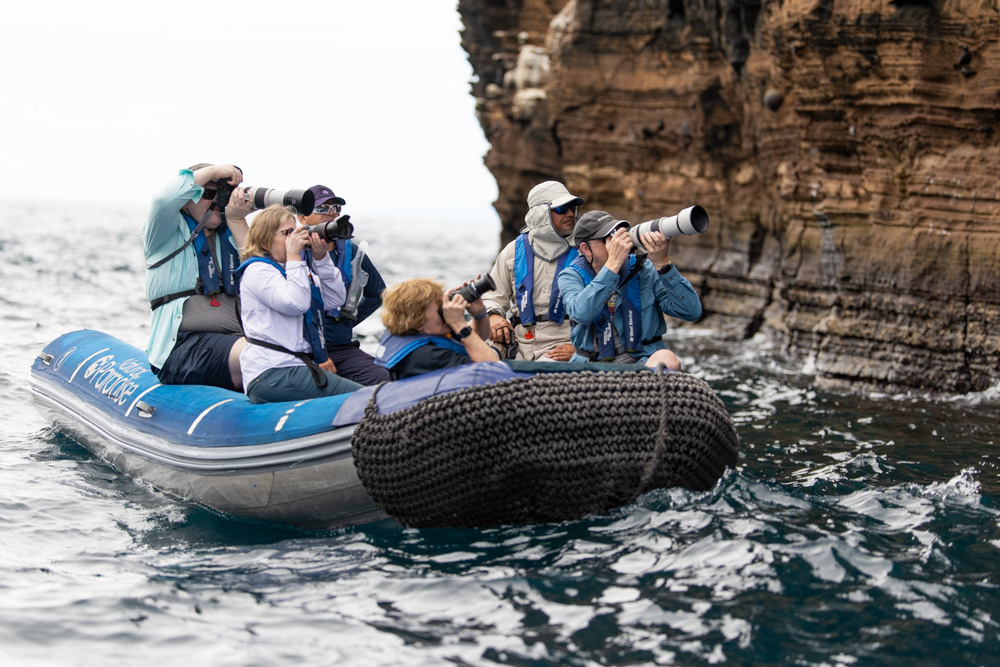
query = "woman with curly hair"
{"x": 426, "y": 329}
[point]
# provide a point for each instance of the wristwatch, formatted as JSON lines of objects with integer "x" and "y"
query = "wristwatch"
{"x": 466, "y": 331}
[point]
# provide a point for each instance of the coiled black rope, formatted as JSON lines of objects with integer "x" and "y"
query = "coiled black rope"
{"x": 549, "y": 448}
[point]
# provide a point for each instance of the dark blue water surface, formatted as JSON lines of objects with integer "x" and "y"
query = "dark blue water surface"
{"x": 857, "y": 528}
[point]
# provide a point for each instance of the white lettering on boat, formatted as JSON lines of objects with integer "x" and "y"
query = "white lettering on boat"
{"x": 116, "y": 381}
{"x": 65, "y": 355}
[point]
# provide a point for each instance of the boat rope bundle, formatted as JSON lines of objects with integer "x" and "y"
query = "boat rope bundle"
{"x": 554, "y": 447}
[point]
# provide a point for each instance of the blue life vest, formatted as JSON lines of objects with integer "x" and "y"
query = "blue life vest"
{"x": 312, "y": 320}
{"x": 392, "y": 348}
{"x": 313, "y": 326}
{"x": 208, "y": 272}
{"x": 524, "y": 282}
{"x": 343, "y": 250}
{"x": 630, "y": 306}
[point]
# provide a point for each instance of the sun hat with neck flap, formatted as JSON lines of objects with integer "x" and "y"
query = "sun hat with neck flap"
{"x": 554, "y": 193}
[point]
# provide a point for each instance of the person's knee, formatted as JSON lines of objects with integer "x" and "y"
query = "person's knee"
{"x": 335, "y": 384}
{"x": 234, "y": 351}
{"x": 360, "y": 367}
{"x": 371, "y": 375}
{"x": 665, "y": 358}
{"x": 234, "y": 363}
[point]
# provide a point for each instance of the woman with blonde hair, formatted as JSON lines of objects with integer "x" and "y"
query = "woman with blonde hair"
{"x": 282, "y": 304}
{"x": 426, "y": 329}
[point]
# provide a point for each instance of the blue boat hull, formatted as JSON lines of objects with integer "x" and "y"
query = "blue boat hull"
{"x": 280, "y": 462}
{"x": 478, "y": 445}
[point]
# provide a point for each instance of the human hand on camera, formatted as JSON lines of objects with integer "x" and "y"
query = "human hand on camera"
{"x": 229, "y": 173}
{"x": 453, "y": 310}
{"x": 501, "y": 331}
{"x": 319, "y": 246}
{"x": 239, "y": 206}
{"x": 296, "y": 242}
{"x": 618, "y": 245}
{"x": 658, "y": 247}
{"x": 476, "y": 308}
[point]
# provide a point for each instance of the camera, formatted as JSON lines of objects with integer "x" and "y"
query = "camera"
{"x": 223, "y": 191}
{"x": 692, "y": 220}
{"x": 510, "y": 349}
{"x": 301, "y": 200}
{"x": 341, "y": 228}
{"x": 476, "y": 289}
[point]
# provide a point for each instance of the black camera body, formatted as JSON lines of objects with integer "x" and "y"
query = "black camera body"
{"x": 341, "y": 228}
{"x": 223, "y": 191}
{"x": 474, "y": 290}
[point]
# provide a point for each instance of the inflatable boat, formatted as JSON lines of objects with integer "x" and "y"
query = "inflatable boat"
{"x": 479, "y": 445}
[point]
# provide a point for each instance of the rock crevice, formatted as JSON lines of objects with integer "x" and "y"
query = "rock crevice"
{"x": 846, "y": 152}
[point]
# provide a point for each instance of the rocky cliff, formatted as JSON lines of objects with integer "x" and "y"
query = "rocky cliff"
{"x": 846, "y": 151}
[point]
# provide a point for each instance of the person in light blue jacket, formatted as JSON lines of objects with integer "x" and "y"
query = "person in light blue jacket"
{"x": 192, "y": 252}
{"x": 616, "y": 299}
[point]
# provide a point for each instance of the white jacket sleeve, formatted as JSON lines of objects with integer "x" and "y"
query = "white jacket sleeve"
{"x": 289, "y": 296}
{"x": 331, "y": 283}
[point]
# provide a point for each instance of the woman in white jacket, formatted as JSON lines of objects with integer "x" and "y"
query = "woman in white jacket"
{"x": 282, "y": 303}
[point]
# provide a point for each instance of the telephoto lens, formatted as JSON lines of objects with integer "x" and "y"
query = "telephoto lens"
{"x": 692, "y": 220}
{"x": 476, "y": 288}
{"x": 301, "y": 200}
{"x": 341, "y": 228}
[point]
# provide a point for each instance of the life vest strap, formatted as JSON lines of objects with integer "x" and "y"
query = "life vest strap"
{"x": 156, "y": 303}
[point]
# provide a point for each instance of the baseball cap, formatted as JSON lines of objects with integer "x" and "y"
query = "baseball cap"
{"x": 596, "y": 225}
{"x": 553, "y": 192}
{"x": 324, "y": 195}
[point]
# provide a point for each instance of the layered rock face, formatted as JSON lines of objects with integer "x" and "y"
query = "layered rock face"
{"x": 845, "y": 150}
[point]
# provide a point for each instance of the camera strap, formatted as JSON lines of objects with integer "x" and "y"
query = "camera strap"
{"x": 156, "y": 303}
{"x": 305, "y": 357}
{"x": 194, "y": 235}
{"x": 639, "y": 261}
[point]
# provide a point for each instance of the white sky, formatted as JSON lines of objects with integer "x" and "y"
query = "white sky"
{"x": 102, "y": 100}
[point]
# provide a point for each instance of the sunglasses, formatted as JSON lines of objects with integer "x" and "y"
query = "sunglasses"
{"x": 564, "y": 209}
{"x": 604, "y": 239}
{"x": 613, "y": 232}
{"x": 327, "y": 209}
{"x": 208, "y": 195}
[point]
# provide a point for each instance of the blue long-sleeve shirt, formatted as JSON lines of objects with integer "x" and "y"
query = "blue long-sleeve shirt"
{"x": 668, "y": 294}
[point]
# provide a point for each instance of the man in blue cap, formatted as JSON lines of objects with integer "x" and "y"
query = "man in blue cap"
{"x": 364, "y": 295}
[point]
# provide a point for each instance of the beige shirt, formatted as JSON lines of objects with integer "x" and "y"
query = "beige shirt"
{"x": 547, "y": 335}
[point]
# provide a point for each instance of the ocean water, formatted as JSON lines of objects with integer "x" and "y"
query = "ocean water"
{"x": 857, "y": 529}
